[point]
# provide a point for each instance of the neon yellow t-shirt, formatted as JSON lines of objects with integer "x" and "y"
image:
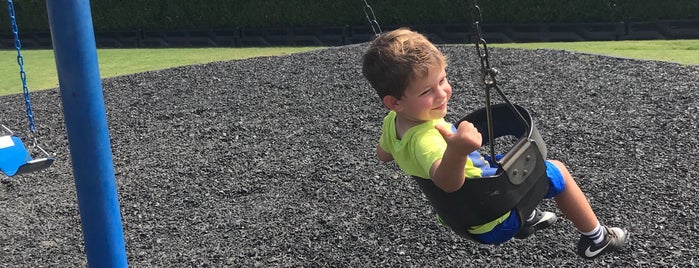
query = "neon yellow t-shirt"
{"x": 419, "y": 148}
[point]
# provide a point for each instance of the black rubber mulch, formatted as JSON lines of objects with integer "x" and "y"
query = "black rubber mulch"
{"x": 270, "y": 162}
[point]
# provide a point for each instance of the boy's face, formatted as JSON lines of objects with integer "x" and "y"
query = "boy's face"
{"x": 426, "y": 97}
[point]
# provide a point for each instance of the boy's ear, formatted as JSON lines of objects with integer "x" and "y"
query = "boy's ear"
{"x": 391, "y": 102}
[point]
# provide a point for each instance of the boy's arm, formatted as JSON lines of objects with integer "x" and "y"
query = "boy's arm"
{"x": 383, "y": 155}
{"x": 448, "y": 172}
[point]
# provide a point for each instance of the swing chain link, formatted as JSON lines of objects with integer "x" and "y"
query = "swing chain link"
{"x": 22, "y": 73}
{"x": 371, "y": 17}
{"x": 488, "y": 73}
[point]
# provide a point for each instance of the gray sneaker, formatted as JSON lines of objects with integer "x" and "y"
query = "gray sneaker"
{"x": 615, "y": 240}
{"x": 542, "y": 219}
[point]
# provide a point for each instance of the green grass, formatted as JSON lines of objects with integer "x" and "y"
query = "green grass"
{"x": 41, "y": 69}
{"x": 678, "y": 51}
{"x": 40, "y": 65}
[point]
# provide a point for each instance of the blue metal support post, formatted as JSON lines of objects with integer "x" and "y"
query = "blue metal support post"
{"x": 80, "y": 85}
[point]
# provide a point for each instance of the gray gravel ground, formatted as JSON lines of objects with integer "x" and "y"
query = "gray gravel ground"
{"x": 269, "y": 162}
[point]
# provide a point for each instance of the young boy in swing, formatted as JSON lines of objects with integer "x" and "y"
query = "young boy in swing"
{"x": 409, "y": 74}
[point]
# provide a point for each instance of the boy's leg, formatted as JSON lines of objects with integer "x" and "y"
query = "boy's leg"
{"x": 595, "y": 239}
{"x": 573, "y": 203}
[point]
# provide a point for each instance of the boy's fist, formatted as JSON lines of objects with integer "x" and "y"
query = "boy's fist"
{"x": 466, "y": 137}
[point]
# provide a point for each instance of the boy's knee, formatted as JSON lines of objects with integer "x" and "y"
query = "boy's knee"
{"x": 561, "y": 167}
{"x": 556, "y": 174}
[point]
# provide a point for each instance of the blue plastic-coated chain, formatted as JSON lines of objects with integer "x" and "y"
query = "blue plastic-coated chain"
{"x": 20, "y": 62}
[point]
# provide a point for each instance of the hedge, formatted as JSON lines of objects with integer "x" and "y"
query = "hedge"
{"x": 110, "y": 15}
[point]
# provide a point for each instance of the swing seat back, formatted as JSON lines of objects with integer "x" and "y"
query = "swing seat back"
{"x": 15, "y": 159}
{"x": 13, "y": 154}
{"x": 520, "y": 181}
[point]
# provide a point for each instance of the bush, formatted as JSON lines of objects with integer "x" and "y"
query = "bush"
{"x": 110, "y": 15}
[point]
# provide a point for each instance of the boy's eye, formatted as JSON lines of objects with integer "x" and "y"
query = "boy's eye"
{"x": 425, "y": 92}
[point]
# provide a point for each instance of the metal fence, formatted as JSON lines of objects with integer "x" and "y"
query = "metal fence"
{"x": 345, "y": 35}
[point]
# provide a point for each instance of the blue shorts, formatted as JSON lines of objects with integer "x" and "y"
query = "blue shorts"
{"x": 504, "y": 231}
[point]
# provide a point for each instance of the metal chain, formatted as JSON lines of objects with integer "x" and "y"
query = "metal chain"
{"x": 488, "y": 74}
{"x": 369, "y": 13}
{"x": 20, "y": 62}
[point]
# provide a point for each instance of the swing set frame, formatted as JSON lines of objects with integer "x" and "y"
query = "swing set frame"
{"x": 75, "y": 52}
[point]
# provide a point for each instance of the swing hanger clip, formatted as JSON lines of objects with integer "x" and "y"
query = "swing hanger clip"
{"x": 488, "y": 73}
{"x": 489, "y": 76}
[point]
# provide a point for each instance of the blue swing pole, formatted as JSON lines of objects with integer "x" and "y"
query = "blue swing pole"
{"x": 80, "y": 84}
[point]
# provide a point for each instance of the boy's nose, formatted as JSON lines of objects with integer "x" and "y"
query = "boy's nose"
{"x": 444, "y": 91}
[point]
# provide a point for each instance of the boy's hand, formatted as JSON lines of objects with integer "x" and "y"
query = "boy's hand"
{"x": 448, "y": 172}
{"x": 466, "y": 138}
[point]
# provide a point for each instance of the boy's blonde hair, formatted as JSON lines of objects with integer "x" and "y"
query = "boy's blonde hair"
{"x": 394, "y": 59}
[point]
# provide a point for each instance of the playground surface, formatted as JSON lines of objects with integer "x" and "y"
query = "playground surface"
{"x": 270, "y": 161}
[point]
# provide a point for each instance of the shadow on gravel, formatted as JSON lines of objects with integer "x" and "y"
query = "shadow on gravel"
{"x": 269, "y": 162}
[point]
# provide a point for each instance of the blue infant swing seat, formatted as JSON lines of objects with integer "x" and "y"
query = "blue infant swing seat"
{"x": 16, "y": 159}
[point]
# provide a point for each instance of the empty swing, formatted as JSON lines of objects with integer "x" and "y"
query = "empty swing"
{"x": 15, "y": 157}
{"x": 520, "y": 181}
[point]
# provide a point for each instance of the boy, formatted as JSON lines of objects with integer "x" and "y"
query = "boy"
{"x": 409, "y": 75}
